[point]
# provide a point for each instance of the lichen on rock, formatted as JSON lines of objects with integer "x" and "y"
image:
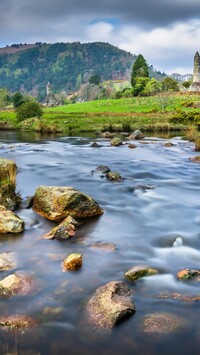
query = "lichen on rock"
{"x": 137, "y": 272}
{"x": 56, "y": 203}
{"x": 73, "y": 262}
{"x": 109, "y": 305}
{"x": 17, "y": 323}
{"x": 10, "y": 222}
{"x": 65, "y": 230}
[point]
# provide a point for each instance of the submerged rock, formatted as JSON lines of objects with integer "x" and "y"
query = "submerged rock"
{"x": 187, "y": 274}
{"x": 7, "y": 261}
{"x": 17, "y": 285}
{"x": 137, "y": 272}
{"x": 137, "y": 134}
{"x": 179, "y": 297}
{"x": 109, "y": 305}
{"x": 73, "y": 262}
{"x": 132, "y": 146}
{"x": 116, "y": 142}
{"x": 101, "y": 169}
{"x": 162, "y": 323}
{"x": 10, "y": 222}
{"x": 95, "y": 145}
{"x": 107, "y": 247}
{"x": 195, "y": 159}
{"x": 168, "y": 144}
{"x": 144, "y": 187}
{"x": 65, "y": 230}
{"x": 114, "y": 176}
{"x": 107, "y": 135}
{"x": 17, "y": 323}
{"x": 56, "y": 203}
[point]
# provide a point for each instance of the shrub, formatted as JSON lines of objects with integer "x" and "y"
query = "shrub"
{"x": 185, "y": 117}
{"x": 29, "y": 109}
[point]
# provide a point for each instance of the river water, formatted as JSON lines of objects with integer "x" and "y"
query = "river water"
{"x": 142, "y": 223}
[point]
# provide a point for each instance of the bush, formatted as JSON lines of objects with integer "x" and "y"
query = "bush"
{"x": 185, "y": 117}
{"x": 28, "y": 109}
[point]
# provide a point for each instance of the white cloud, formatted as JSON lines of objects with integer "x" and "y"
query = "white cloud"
{"x": 168, "y": 49}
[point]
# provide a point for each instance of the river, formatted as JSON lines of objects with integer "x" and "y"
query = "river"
{"x": 143, "y": 224}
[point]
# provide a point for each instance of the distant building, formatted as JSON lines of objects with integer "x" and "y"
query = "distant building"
{"x": 51, "y": 99}
{"x": 196, "y": 74}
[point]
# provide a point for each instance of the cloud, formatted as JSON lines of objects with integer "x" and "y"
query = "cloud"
{"x": 166, "y": 32}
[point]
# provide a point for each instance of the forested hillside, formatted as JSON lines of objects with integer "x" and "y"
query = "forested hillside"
{"x": 64, "y": 65}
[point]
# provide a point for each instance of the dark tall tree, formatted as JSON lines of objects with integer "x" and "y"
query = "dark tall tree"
{"x": 139, "y": 69}
{"x": 95, "y": 79}
{"x": 18, "y": 99}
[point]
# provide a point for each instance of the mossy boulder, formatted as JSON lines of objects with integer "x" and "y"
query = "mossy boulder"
{"x": 114, "y": 176}
{"x": 65, "y": 230}
{"x": 116, "y": 142}
{"x": 8, "y": 172}
{"x": 109, "y": 305}
{"x": 56, "y": 203}
{"x": 137, "y": 272}
{"x": 10, "y": 222}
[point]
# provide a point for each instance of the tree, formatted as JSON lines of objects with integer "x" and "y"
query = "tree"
{"x": 140, "y": 84}
{"x": 79, "y": 81}
{"x": 170, "y": 84}
{"x": 139, "y": 69}
{"x": 4, "y": 98}
{"x": 187, "y": 83}
{"x": 28, "y": 109}
{"x": 18, "y": 99}
{"x": 95, "y": 79}
{"x": 152, "y": 87}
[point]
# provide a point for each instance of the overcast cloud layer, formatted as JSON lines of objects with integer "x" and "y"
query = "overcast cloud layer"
{"x": 166, "y": 32}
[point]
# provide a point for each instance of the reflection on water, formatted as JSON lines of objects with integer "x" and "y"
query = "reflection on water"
{"x": 142, "y": 223}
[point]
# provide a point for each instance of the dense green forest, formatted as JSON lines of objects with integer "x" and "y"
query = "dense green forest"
{"x": 65, "y": 65}
{"x": 62, "y": 64}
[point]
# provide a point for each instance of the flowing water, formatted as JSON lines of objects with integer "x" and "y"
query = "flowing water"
{"x": 142, "y": 223}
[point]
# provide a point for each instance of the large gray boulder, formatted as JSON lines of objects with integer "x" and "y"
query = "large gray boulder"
{"x": 56, "y": 203}
{"x": 110, "y": 304}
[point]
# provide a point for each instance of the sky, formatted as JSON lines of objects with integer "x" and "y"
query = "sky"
{"x": 165, "y": 32}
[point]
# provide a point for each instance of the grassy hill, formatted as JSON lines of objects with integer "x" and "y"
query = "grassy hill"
{"x": 28, "y": 67}
{"x": 120, "y": 115}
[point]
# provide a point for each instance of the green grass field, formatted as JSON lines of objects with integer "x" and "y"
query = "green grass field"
{"x": 145, "y": 113}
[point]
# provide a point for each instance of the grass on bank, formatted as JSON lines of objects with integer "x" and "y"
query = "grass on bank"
{"x": 126, "y": 114}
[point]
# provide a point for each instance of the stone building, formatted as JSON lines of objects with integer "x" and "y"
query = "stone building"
{"x": 196, "y": 74}
{"x": 51, "y": 99}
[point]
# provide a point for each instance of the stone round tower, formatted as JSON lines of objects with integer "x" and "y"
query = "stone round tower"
{"x": 196, "y": 72}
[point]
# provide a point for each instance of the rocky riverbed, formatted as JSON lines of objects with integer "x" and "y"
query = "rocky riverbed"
{"x": 101, "y": 265}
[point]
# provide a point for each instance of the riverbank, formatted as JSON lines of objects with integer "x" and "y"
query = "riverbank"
{"x": 151, "y": 114}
